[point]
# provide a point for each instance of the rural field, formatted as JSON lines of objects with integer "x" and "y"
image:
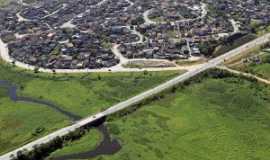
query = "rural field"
{"x": 257, "y": 64}
{"x": 83, "y": 94}
{"x": 21, "y": 123}
{"x": 262, "y": 69}
{"x": 226, "y": 118}
{"x": 86, "y": 143}
{"x": 80, "y": 94}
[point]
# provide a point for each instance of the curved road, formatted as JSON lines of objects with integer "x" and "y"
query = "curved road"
{"x": 137, "y": 99}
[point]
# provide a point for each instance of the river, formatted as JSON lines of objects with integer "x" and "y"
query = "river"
{"x": 107, "y": 146}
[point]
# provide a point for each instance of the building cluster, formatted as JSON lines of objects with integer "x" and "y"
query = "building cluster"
{"x": 80, "y": 34}
{"x": 64, "y": 50}
{"x": 247, "y": 13}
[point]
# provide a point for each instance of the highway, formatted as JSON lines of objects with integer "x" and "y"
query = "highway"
{"x": 137, "y": 99}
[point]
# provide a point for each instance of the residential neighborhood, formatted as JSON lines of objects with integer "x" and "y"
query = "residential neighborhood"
{"x": 81, "y": 34}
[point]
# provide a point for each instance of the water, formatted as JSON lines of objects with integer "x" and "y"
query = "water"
{"x": 12, "y": 94}
{"x": 108, "y": 146}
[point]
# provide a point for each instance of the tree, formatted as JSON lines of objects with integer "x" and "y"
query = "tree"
{"x": 99, "y": 77}
{"x": 137, "y": 21}
{"x": 13, "y": 63}
{"x": 145, "y": 72}
{"x": 36, "y": 70}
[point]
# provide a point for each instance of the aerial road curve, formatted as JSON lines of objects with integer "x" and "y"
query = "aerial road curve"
{"x": 137, "y": 99}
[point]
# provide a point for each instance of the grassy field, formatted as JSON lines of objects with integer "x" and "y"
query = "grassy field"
{"x": 261, "y": 69}
{"x": 82, "y": 94}
{"x": 216, "y": 119}
{"x": 86, "y": 143}
{"x": 21, "y": 123}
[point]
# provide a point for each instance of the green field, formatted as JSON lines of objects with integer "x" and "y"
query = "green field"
{"x": 261, "y": 69}
{"x": 215, "y": 119}
{"x": 86, "y": 143}
{"x": 21, "y": 123}
{"x": 82, "y": 94}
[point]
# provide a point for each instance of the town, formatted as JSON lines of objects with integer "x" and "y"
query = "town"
{"x": 82, "y": 34}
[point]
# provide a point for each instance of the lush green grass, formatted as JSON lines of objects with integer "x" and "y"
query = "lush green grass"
{"x": 86, "y": 143}
{"x": 90, "y": 95}
{"x": 216, "y": 119}
{"x": 84, "y": 94}
{"x": 21, "y": 123}
{"x": 261, "y": 69}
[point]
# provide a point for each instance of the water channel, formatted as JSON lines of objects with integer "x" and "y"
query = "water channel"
{"x": 107, "y": 146}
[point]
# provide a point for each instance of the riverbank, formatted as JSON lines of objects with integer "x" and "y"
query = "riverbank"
{"x": 226, "y": 120}
{"x": 21, "y": 123}
{"x": 77, "y": 94}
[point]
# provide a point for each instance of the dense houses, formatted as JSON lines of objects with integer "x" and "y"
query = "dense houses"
{"x": 63, "y": 49}
{"x": 80, "y": 34}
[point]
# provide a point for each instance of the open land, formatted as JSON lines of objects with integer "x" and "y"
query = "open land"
{"x": 84, "y": 94}
{"x": 86, "y": 143}
{"x": 257, "y": 63}
{"x": 21, "y": 123}
{"x": 226, "y": 118}
{"x": 78, "y": 94}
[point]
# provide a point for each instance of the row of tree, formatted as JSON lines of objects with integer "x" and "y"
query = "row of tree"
{"x": 41, "y": 151}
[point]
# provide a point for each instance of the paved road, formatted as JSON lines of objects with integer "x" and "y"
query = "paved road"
{"x": 120, "y": 106}
{"x": 148, "y": 21}
{"x": 146, "y": 18}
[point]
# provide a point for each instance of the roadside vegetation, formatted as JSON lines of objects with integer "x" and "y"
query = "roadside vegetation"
{"x": 257, "y": 63}
{"x": 232, "y": 43}
{"x": 86, "y": 143}
{"x": 216, "y": 117}
{"x": 191, "y": 62}
{"x": 262, "y": 68}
